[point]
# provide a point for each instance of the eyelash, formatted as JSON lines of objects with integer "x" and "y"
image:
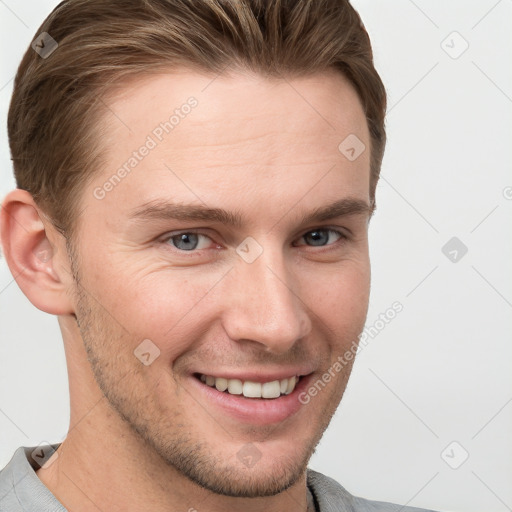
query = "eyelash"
{"x": 342, "y": 238}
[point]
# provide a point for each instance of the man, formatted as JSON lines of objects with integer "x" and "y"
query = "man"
{"x": 195, "y": 181}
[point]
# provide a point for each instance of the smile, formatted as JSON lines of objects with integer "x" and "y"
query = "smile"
{"x": 250, "y": 389}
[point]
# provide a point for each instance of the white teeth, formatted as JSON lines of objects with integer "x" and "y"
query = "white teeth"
{"x": 271, "y": 389}
{"x": 291, "y": 385}
{"x": 221, "y": 384}
{"x": 250, "y": 389}
{"x": 235, "y": 386}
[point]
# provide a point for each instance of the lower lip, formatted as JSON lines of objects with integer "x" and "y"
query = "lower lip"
{"x": 254, "y": 411}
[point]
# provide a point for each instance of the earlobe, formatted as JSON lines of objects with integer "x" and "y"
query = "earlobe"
{"x": 34, "y": 253}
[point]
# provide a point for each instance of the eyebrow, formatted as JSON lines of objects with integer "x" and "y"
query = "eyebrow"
{"x": 161, "y": 209}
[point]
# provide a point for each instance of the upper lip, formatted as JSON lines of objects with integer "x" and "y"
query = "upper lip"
{"x": 257, "y": 375}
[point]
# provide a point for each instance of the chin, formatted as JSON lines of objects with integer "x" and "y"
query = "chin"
{"x": 250, "y": 482}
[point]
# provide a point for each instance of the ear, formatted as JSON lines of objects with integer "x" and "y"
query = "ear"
{"x": 36, "y": 254}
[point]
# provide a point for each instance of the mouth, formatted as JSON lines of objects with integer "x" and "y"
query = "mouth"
{"x": 250, "y": 389}
{"x": 256, "y": 400}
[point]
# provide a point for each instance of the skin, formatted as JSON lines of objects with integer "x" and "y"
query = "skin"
{"x": 143, "y": 437}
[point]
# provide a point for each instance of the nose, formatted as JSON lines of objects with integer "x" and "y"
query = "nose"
{"x": 262, "y": 305}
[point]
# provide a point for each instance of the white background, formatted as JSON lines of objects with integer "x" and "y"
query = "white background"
{"x": 440, "y": 371}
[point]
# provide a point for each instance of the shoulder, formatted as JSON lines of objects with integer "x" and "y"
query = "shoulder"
{"x": 20, "y": 487}
{"x": 332, "y": 497}
{"x": 8, "y": 478}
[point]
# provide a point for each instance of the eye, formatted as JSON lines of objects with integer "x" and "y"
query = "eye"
{"x": 320, "y": 237}
{"x": 188, "y": 241}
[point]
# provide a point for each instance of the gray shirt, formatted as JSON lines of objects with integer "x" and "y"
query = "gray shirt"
{"x": 22, "y": 491}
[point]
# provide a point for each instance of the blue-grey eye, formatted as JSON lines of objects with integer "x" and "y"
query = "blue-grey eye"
{"x": 319, "y": 237}
{"x": 185, "y": 241}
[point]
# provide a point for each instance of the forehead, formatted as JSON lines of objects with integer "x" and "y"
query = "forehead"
{"x": 192, "y": 136}
{"x": 327, "y": 101}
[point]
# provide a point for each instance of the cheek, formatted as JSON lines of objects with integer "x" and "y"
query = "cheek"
{"x": 161, "y": 305}
{"x": 341, "y": 296}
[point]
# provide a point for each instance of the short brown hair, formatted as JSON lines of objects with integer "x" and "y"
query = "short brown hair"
{"x": 56, "y": 103}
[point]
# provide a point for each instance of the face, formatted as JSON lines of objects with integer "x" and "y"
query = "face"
{"x": 207, "y": 264}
